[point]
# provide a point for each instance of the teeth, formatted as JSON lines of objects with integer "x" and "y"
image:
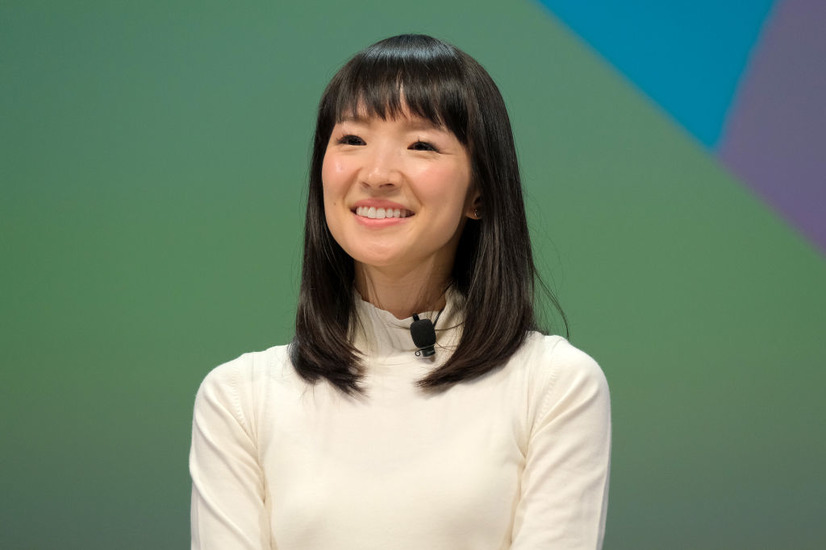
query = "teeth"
{"x": 380, "y": 213}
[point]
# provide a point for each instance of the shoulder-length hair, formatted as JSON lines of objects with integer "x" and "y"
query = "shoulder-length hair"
{"x": 493, "y": 270}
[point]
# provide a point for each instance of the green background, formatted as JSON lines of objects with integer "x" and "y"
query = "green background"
{"x": 153, "y": 160}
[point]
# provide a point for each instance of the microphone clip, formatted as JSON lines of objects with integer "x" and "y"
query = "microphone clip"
{"x": 423, "y": 332}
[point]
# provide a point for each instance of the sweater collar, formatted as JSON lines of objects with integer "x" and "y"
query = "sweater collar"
{"x": 379, "y": 333}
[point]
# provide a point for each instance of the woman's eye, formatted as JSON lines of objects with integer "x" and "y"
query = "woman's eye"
{"x": 350, "y": 139}
{"x": 423, "y": 146}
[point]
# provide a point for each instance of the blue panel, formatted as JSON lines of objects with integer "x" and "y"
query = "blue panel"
{"x": 687, "y": 55}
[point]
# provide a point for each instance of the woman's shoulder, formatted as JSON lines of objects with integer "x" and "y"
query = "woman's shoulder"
{"x": 553, "y": 362}
{"x": 558, "y": 380}
{"x": 242, "y": 389}
{"x": 249, "y": 370}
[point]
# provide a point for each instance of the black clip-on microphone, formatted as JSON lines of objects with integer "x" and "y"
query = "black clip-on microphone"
{"x": 423, "y": 332}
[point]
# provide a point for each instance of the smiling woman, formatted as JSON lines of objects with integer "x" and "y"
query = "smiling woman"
{"x": 417, "y": 406}
{"x": 397, "y": 192}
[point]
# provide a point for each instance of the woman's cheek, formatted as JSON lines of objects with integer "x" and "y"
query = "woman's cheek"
{"x": 333, "y": 174}
{"x": 443, "y": 185}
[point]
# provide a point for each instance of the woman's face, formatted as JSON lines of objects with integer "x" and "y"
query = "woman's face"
{"x": 396, "y": 192}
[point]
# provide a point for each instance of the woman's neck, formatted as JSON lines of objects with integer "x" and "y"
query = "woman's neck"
{"x": 402, "y": 294}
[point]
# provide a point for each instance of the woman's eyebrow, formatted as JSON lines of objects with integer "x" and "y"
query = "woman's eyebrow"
{"x": 414, "y": 123}
{"x": 359, "y": 119}
{"x": 419, "y": 123}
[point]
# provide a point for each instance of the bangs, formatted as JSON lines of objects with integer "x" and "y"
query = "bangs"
{"x": 391, "y": 82}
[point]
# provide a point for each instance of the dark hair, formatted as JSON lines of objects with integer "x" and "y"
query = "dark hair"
{"x": 493, "y": 269}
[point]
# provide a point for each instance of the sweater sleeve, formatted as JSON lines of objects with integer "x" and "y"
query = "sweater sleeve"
{"x": 228, "y": 497}
{"x": 564, "y": 493}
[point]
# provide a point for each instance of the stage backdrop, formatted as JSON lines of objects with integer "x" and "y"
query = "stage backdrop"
{"x": 153, "y": 160}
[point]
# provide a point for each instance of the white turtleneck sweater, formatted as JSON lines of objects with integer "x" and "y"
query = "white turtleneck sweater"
{"x": 517, "y": 459}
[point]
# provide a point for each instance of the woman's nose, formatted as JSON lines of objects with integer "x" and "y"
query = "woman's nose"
{"x": 382, "y": 168}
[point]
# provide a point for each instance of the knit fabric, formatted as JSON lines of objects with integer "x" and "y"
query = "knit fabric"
{"x": 516, "y": 459}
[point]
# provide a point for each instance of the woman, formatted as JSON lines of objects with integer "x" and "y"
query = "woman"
{"x": 480, "y": 434}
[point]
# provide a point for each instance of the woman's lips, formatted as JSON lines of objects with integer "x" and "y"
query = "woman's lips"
{"x": 374, "y": 213}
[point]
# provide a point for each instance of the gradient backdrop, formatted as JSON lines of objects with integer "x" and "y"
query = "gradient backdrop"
{"x": 153, "y": 158}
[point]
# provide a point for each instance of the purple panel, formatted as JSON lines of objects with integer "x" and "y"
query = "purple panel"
{"x": 775, "y": 137}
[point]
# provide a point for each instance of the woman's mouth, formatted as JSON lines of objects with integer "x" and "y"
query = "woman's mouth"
{"x": 381, "y": 213}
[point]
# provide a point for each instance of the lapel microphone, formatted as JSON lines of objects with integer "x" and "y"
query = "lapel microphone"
{"x": 423, "y": 332}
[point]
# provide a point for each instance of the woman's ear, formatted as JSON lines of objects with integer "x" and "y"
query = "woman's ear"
{"x": 474, "y": 210}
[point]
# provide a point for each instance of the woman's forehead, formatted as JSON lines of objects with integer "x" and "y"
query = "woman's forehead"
{"x": 363, "y": 114}
{"x": 389, "y": 106}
